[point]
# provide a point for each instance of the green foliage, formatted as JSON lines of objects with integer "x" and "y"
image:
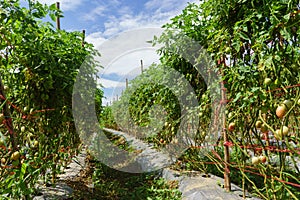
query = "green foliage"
{"x": 39, "y": 64}
{"x": 132, "y": 186}
{"x": 98, "y": 101}
{"x": 155, "y": 104}
{"x": 107, "y": 119}
{"x": 249, "y": 41}
{"x": 114, "y": 184}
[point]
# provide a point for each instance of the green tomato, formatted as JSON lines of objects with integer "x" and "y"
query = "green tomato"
{"x": 22, "y": 129}
{"x": 264, "y": 128}
{"x": 288, "y": 103}
{"x": 3, "y": 160}
{"x": 255, "y": 160}
{"x": 285, "y": 130}
{"x": 15, "y": 155}
{"x": 25, "y": 109}
{"x": 35, "y": 144}
{"x": 258, "y": 124}
{"x": 2, "y": 117}
{"x": 267, "y": 81}
{"x": 6, "y": 88}
{"x": 230, "y": 115}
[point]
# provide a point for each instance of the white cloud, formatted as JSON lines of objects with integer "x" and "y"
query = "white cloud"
{"x": 64, "y": 4}
{"x": 125, "y": 10}
{"x": 126, "y": 44}
{"x": 95, "y": 13}
{"x": 155, "y": 14}
{"x": 119, "y": 17}
{"x": 101, "y": 9}
{"x": 127, "y": 65}
{"x": 164, "y": 5}
{"x": 106, "y": 83}
{"x": 114, "y": 2}
{"x": 119, "y": 66}
{"x": 126, "y": 22}
{"x": 170, "y": 8}
{"x": 95, "y": 38}
{"x": 121, "y": 56}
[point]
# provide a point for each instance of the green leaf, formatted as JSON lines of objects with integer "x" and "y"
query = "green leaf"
{"x": 287, "y": 17}
{"x": 53, "y": 7}
{"x": 23, "y": 171}
{"x": 241, "y": 77}
{"x": 277, "y": 57}
{"x": 243, "y": 35}
{"x": 237, "y": 97}
{"x": 285, "y": 34}
{"x": 52, "y": 16}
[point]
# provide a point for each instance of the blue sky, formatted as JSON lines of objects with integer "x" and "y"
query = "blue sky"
{"x": 111, "y": 16}
{"x": 104, "y": 19}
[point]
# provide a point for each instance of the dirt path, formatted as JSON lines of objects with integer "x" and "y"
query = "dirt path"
{"x": 74, "y": 183}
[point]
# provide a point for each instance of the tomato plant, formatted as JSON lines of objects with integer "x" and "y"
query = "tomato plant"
{"x": 255, "y": 47}
{"x": 38, "y": 67}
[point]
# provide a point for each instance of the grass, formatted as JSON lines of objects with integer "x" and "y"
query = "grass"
{"x": 114, "y": 184}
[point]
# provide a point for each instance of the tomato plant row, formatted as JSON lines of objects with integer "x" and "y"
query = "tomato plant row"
{"x": 255, "y": 48}
{"x": 38, "y": 67}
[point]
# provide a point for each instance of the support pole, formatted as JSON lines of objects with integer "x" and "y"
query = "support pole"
{"x": 83, "y": 37}
{"x": 227, "y": 181}
{"x": 57, "y": 18}
{"x": 142, "y": 66}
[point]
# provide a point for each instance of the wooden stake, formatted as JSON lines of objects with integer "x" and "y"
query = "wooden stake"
{"x": 227, "y": 182}
{"x": 83, "y": 37}
{"x": 126, "y": 83}
{"x": 57, "y": 19}
{"x": 142, "y": 66}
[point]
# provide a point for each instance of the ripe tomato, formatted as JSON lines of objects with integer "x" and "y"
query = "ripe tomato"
{"x": 231, "y": 126}
{"x": 263, "y": 159}
{"x": 281, "y": 111}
